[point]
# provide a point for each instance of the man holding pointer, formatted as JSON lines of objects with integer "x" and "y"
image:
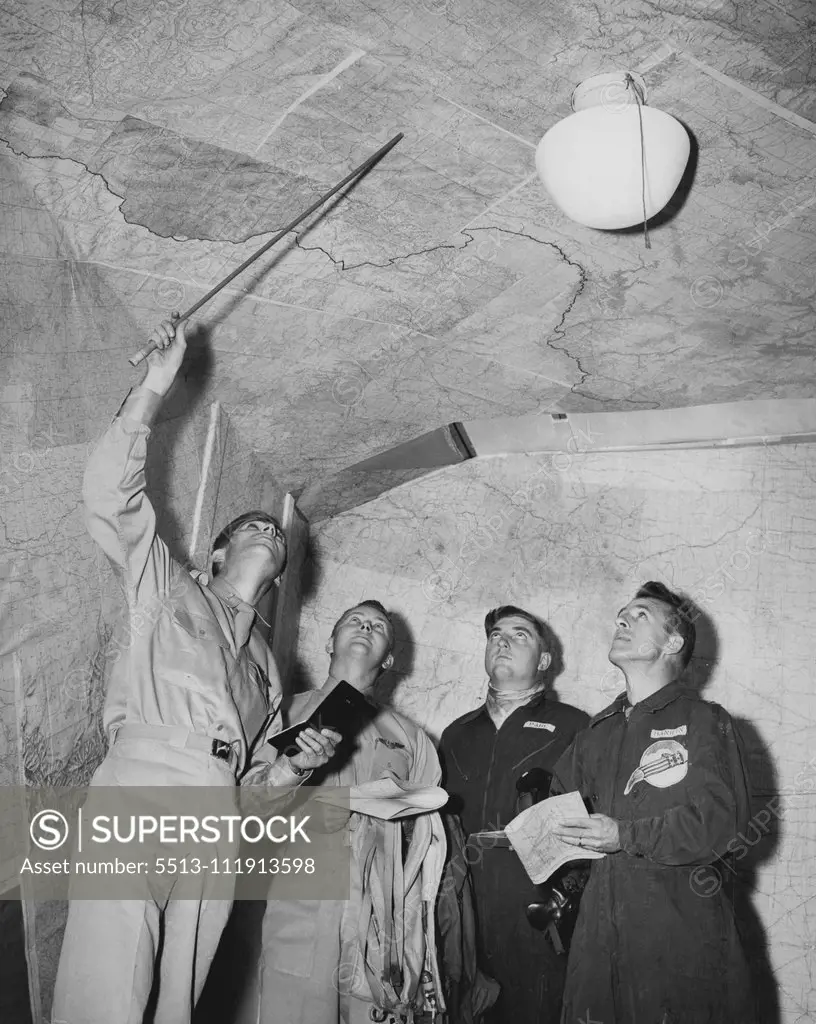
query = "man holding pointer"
{"x": 189, "y": 704}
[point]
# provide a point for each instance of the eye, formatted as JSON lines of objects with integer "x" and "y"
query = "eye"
{"x": 379, "y": 626}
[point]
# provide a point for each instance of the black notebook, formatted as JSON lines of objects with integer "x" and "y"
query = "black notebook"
{"x": 343, "y": 709}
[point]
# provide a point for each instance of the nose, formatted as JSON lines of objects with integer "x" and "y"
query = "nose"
{"x": 366, "y": 626}
{"x": 621, "y": 622}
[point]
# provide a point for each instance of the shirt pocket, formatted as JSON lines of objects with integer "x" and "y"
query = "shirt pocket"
{"x": 192, "y": 652}
{"x": 291, "y": 936}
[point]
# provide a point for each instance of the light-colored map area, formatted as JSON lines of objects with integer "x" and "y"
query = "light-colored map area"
{"x": 571, "y": 538}
{"x": 168, "y": 141}
{"x": 147, "y": 147}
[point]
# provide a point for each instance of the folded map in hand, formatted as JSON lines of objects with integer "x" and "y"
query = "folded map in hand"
{"x": 531, "y": 836}
{"x": 343, "y": 709}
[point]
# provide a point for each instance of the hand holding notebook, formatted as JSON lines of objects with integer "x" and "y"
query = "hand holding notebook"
{"x": 343, "y": 709}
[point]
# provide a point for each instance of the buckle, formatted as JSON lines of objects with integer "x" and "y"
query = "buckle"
{"x": 221, "y": 749}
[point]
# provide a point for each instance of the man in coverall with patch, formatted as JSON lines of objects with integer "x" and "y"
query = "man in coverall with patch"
{"x": 194, "y": 696}
{"x": 485, "y": 753}
{"x": 332, "y": 961}
{"x": 661, "y": 772}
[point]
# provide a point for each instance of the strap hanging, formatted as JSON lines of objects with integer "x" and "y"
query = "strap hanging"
{"x": 631, "y": 84}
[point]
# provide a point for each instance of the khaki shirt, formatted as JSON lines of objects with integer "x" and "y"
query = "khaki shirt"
{"x": 190, "y": 656}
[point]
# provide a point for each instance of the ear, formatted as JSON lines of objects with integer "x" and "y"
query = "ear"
{"x": 674, "y": 644}
{"x": 330, "y": 647}
{"x": 544, "y": 661}
{"x": 389, "y": 661}
{"x": 219, "y": 556}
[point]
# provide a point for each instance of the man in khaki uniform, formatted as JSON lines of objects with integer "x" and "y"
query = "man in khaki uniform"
{"x": 371, "y": 957}
{"x": 188, "y": 705}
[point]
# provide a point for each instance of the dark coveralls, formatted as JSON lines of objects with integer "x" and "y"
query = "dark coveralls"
{"x": 481, "y": 766}
{"x": 655, "y": 941}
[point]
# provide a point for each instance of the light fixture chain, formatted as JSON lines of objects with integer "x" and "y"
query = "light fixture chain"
{"x": 631, "y": 83}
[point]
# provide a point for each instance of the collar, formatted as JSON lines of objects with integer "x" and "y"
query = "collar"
{"x": 228, "y": 594}
{"x": 368, "y": 694}
{"x": 244, "y": 614}
{"x": 513, "y": 695}
{"x": 532, "y": 702}
{"x": 655, "y": 702}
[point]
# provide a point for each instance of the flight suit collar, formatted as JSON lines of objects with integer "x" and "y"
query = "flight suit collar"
{"x": 536, "y": 701}
{"x": 655, "y": 702}
{"x": 243, "y": 613}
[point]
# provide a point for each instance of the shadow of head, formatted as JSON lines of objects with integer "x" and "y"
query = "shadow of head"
{"x": 404, "y": 654}
{"x": 555, "y": 649}
{"x": 705, "y": 655}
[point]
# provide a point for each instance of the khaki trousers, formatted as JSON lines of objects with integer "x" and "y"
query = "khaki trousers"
{"x": 113, "y": 949}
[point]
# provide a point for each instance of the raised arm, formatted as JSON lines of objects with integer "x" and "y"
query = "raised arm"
{"x": 118, "y": 513}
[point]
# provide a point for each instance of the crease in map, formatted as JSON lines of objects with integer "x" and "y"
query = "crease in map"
{"x": 531, "y": 834}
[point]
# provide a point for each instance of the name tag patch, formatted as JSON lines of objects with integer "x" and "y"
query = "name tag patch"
{"x": 666, "y": 734}
{"x": 539, "y": 725}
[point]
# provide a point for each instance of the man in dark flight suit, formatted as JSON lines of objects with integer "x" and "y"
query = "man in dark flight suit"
{"x": 656, "y": 941}
{"x": 484, "y": 754}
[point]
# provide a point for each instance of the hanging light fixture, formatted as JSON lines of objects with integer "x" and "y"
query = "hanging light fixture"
{"x": 615, "y": 162}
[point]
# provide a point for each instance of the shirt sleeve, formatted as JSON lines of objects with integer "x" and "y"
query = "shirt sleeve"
{"x": 566, "y": 774}
{"x": 425, "y": 767}
{"x": 715, "y": 807}
{"x": 443, "y": 756}
{"x": 118, "y": 513}
{"x": 268, "y": 767}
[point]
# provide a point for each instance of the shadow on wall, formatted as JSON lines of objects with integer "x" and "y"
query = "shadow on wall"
{"x": 389, "y": 682}
{"x": 738, "y": 873}
{"x": 557, "y": 663}
{"x": 753, "y": 848}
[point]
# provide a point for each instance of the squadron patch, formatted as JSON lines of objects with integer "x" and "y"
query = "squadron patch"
{"x": 662, "y": 764}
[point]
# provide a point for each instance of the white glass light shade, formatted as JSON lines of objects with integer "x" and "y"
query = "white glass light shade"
{"x": 590, "y": 164}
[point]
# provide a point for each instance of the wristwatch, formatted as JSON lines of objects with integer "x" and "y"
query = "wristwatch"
{"x": 300, "y": 772}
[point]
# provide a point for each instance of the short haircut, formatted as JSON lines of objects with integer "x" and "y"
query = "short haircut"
{"x": 678, "y": 620}
{"x": 369, "y": 603}
{"x": 506, "y": 610}
{"x": 224, "y": 537}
